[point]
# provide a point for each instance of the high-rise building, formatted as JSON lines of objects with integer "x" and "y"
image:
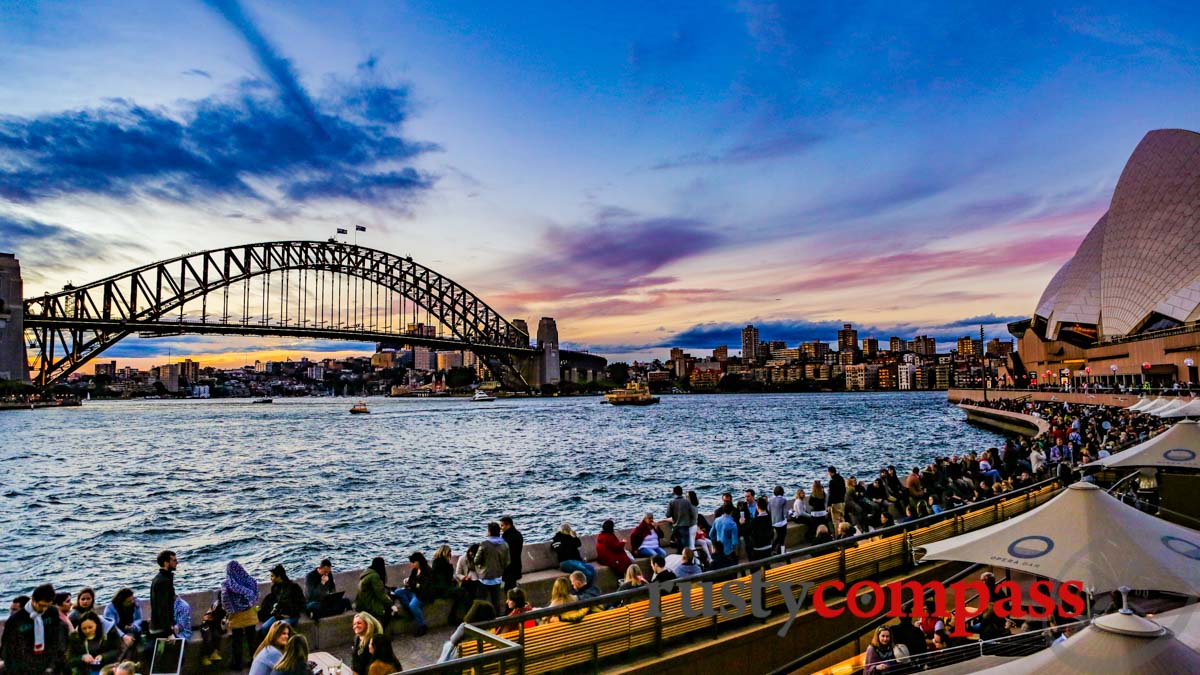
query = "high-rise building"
{"x": 998, "y": 347}
{"x": 968, "y": 346}
{"x": 384, "y": 359}
{"x": 775, "y": 345}
{"x": 815, "y": 350}
{"x": 870, "y": 347}
{"x": 448, "y": 360}
{"x": 676, "y": 354}
{"x": 924, "y": 345}
{"x": 721, "y": 353}
{"x": 847, "y": 338}
{"x": 169, "y": 376}
{"x": 750, "y": 344}
{"x": 424, "y": 359}
{"x": 189, "y": 370}
{"x": 897, "y": 345}
{"x": 109, "y": 369}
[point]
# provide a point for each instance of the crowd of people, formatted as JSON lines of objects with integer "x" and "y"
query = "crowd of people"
{"x": 47, "y": 631}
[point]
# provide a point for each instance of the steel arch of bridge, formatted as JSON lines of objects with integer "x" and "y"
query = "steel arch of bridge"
{"x": 71, "y": 327}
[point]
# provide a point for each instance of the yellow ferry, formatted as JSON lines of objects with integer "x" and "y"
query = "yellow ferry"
{"x": 635, "y": 393}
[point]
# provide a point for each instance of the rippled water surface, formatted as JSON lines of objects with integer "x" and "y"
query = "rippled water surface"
{"x": 89, "y": 495}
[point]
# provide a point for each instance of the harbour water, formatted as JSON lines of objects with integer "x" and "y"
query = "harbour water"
{"x": 89, "y": 495}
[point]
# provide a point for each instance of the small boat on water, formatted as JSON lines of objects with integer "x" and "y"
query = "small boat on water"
{"x": 482, "y": 396}
{"x": 359, "y": 408}
{"x": 635, "y": 393}
{"x": 264, "y": 400}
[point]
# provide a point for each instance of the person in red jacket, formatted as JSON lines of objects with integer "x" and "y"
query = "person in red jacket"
{"x": 610, "y": 550}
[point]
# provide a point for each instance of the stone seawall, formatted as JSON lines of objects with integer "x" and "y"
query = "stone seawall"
{"x": 1119, "y": 400}
{"x": 1002, "y": 420}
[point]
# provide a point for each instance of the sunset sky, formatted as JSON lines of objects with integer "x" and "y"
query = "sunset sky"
{"x": 650, "y": 177}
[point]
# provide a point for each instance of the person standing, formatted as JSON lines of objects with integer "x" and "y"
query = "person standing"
{"x": 492, "y": 560}
{"x": 34, "y": 637}
{"x": 238, "y": 594}
{"x": 682, "y": 515}
{"x": 777, "y": 507}
{"x": 837, "y": 496}
{"x": 516, "y": 542}
{"x": 162, "y": 599}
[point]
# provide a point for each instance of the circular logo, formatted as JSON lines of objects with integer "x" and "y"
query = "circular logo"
{"x": 1179, "y": 455}
{"x": 1183, "y": 547}
{"x": 1034, "y": 546}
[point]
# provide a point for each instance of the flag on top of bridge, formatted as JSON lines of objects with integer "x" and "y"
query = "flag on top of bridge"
{"x": 359, "y": 228}
{"x": 342, "y": 231}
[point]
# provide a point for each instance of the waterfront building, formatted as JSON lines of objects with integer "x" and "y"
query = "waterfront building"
{"x": 897, "y": 345}
{"x": 750, "y": 344}
{"x": 847, "y": 357}
{"x": 870, "y": 347}
{"x": 109, "y": 369}
{"x": 1130, "y": 296}
{"x": 721, "y": 353}
{"x": 384, "y": 359}
{"x": 924, "y": 345}
{"x": 888, "y": 374}
{"x": 424, "y": 359}
{"x": 847, "y": 338}
{"x": 815, "y": 351}
{"x": 448, "y": 360}
{"x": 190, "y": 370}
{"x": 998, "y": 347}
{"x": 906, "y": 375}
{"x": 968, "y": 346}
{"x": 862, "y": 376}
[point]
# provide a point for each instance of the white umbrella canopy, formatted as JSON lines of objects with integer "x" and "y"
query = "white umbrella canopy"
{"x": 1158, "y": 404}
{"x": 1086, "y": 535}
{"x": 1142, "y": 403}
{"x": 1170, "y": 408}
{"x": 1184, "y": 623}
{"x": 1177, "y": 447}
{"x": 1114, "y": 643}
{"x": 1189, "y": 409}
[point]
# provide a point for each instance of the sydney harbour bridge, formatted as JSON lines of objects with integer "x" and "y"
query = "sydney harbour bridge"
{"x": 306, "y": 289}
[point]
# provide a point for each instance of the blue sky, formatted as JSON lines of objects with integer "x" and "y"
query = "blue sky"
{"x": 642, "y": 173}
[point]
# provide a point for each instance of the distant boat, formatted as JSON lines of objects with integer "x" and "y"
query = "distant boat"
{"x": 359, "y": 408}
{"x": 482, "y": 396}
{"x": 635, "y": 394}
{"x": 264, "y": 400}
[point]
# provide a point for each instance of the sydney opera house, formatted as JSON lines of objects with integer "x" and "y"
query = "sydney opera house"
{"x": 1126, "y": 308}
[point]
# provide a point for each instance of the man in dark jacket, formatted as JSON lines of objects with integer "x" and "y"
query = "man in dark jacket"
{"x": 162, "y": 597}
{"x": 516, "y": 542}
{"x": 491, "y": 560}
{"x": 319, "y": 585}
{"x": 34, "y": 637}
{"x": 285, "y": 601}
{"x": 837, "y": 496}
{"x": 682, "y": 515}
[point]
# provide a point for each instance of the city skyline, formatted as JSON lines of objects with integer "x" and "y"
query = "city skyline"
{"x": 656, "y": 180}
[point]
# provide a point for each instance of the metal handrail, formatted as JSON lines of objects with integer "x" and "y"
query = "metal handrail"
{"x": 505, "y": 651}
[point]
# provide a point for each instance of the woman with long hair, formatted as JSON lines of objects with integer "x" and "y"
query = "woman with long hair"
{"x": 295, "y": 657}
{"x": 467, "y": 577}
{"x": 383, "y": 658}
{"x": 881, "y": 649}
{"x": 125, "y": 614}
{"x": 238, "y": 595}
{"x": 442, "y": 582}
{"x": 416, "y": 591}
{"x": 566, "y": 545}
{"x": 90, "y": 647}
{"x": 817, "y": 506}
{"x": 561, "y": 594}
{"x": 85, "y": 601}
{"x": 365, "y": 627}
{"x": 270, "y": 650}
{"x": 610, "y": 550}
{"x": 372, "y": 595}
